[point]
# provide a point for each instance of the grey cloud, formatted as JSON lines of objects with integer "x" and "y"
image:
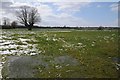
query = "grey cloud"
{"x": 5, "y": 6}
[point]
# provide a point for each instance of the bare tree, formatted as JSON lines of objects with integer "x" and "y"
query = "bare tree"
{"x": 22, "y": 15}
{"x": 28, "y": 16}
{"x": 100, "y": 28}
{"x": 34, "y": 17}
{"x": 14, "y": 24}
{"x": 6, "y": 21}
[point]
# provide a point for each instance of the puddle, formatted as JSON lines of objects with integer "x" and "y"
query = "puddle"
{"x": 117, "y": 62}
{"x": 116, "y": 59}
{"x": 66, "y": 60}
{"x": 25, "y": 66}
{"x": 21, "y": 67}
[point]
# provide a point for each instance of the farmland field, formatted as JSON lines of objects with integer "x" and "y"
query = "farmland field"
{"x": 64, "y": 53}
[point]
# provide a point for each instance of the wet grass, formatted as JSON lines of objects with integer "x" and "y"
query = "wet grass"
{"x": 94, "y": 53}
{"x": 93, "y": 50}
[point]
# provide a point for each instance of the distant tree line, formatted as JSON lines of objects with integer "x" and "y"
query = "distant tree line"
{"x": 28, "y": 16}
{"x": 14, "y": 25}
{"x": 7, "y": 24}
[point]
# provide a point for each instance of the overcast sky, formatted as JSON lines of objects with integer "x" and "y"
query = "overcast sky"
{"x": 67, "y": 12}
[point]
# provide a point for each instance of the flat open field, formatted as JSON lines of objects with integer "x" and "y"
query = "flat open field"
{"x": 44, "y": 53}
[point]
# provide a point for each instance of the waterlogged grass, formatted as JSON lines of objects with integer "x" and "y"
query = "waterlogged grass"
{"x": 93, "y": 50}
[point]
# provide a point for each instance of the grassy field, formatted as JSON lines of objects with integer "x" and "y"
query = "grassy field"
{"x": 67, "y": 53}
